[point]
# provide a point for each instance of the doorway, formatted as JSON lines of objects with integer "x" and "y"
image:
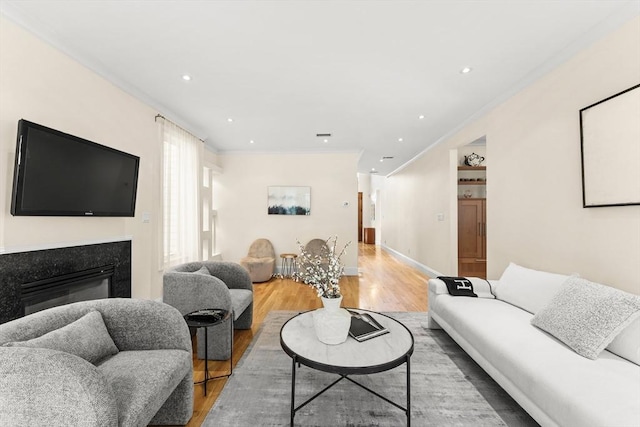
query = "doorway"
{"x": 359, "y": 216}
{"x": 472, "y": 212}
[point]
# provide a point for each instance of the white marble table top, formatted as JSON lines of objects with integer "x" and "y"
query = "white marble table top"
{"x": 299, "y": 335}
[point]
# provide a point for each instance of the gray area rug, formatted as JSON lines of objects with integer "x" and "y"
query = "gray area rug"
{"x": 447, "y": 388}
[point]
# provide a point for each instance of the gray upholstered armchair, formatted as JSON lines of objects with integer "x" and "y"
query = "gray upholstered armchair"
{"x": 107, "y": 362}
{"x": 212, "y": 284}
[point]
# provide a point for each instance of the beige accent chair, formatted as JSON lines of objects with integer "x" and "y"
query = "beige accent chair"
{"x": 317, "y": 247}
{"x": 318, "y": 250}
{"x": 260, "y": 262}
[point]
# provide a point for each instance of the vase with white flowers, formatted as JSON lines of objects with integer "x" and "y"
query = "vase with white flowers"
{"x": 321, "y": 268}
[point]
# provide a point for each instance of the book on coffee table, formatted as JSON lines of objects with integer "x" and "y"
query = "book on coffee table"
{"x": 364, "y": 326}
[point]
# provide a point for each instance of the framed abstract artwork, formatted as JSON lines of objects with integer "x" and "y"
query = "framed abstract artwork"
{"x": 610, "y": 149}
{"x": 289, "y": 200}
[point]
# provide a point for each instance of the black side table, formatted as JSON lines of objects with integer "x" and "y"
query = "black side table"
{"x": 196, "y": 320}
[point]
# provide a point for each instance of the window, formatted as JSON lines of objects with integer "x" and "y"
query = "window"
{"x": 208, "y": 225}
{"x": 181, "y": 153}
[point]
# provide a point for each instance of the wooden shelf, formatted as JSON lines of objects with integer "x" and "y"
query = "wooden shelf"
{"x": 472, "y": 168}
{"x": 472, "y": 182}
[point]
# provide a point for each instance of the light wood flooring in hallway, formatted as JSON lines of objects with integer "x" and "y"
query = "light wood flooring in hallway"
{"x": 383, "y": 284}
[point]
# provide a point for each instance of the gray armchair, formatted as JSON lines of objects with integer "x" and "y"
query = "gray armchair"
{"x": 146, "y": 378}
{"x": 212, "y": 284}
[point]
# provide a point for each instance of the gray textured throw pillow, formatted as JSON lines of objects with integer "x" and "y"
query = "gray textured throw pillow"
{"x": 587, "y": 316}
{"x": 203, "y": 270}
{"x": 87, "y": 338}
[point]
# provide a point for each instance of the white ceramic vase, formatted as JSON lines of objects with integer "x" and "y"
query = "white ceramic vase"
{"x": 332, "y": 322}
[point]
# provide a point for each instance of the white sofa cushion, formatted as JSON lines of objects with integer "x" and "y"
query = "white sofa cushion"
{"x": 528, "y": 289}
{"x": 587, "y": 316}
{"x": 549, "y": 380}
{"x": 627, "y": 343}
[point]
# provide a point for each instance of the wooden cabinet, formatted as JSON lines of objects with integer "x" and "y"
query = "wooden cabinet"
{"x": 370, "y": 236}
{"x": 472, "y": 238}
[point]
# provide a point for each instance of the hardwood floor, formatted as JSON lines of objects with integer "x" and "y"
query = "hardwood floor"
{"x": 383, "y": 284}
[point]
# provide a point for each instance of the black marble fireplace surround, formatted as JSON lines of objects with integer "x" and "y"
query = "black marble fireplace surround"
{"x": 19, "y": 268}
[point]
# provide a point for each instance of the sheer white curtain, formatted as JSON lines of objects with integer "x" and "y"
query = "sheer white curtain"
{"x": 181, "y": 152}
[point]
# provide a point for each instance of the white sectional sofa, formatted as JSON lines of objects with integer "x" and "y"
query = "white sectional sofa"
{"x": 553, "y": 383}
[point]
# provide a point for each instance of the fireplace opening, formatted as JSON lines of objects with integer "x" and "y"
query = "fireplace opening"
{"x": 94, "y": 283}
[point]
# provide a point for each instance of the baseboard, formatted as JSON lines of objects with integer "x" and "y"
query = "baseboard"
{"x": 348, "y": 271}
{"x": 413, "y": 263}
{"x": 351, "y": 271}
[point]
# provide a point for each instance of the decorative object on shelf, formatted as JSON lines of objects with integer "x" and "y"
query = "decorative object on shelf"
{"x": 322, "y": 271}
{"x": 473, "y": 159}
{"x": 331, "y": 323}
{"x": 467, "y": 194}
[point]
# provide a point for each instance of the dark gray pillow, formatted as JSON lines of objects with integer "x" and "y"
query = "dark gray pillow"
{"x": 87, "y": 338}
{"x": 587, "y": 316}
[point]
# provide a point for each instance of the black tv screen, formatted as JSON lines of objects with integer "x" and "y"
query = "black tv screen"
{"x": 57, "y": 174}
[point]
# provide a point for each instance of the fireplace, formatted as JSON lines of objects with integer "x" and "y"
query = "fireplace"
{"x": 83, "y": 285}
{"x": 36, "y": 280}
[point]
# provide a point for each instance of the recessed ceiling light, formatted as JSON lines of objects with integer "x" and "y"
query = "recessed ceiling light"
{"x": 421, "y": 117}
{"x": 229, "y": 119}
{"x": 325, "y": 140}
{"x": 400, "y": 139}
{"x": 465, "y": 70}
{"x": 251, "y": 142}
{"x": 186, "y": 77}
{"x": 381, "y": 160}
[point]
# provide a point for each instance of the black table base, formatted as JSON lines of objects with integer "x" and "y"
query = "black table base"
{"x": 294, "y": 409}
{"x": 226, "y": 316}
{"x": 207, "y": 375}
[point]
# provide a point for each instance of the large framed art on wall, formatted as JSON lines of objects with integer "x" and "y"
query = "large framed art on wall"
{"x": 289, "y": 200}
{"x": 610, "y": 148}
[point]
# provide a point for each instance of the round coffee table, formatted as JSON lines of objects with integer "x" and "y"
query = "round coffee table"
{"x": 298, "y": 339}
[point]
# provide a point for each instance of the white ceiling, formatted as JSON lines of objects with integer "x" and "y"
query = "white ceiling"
{"x": 284, "y": 71}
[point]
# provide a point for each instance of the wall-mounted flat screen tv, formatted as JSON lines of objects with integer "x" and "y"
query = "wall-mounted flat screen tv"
{"x": 57, "y": 174}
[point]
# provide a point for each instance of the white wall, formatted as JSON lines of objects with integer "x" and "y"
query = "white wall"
{"x": 534, "y": 210}
{"x": 40, "y": 84}
{"x": 536, "y": 200}
{"x": 240, "y": 197}
{"x": 377, "y": 188}
{"x": 411, "y": 202}
{"x": 364, "y": 186}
